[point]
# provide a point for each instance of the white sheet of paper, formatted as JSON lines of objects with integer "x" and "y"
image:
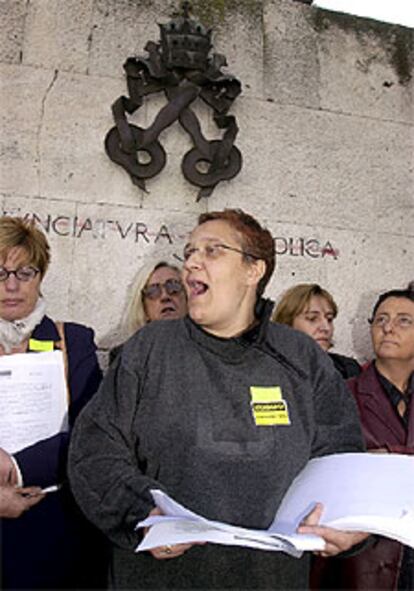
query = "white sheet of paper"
{"x": 180, "y": 525}
{"x": 360, "y": 491}
{"x": 33, "y": 398}
{"x": 366, "y": 492}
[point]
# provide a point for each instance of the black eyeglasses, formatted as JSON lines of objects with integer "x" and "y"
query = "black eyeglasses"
{"x": 24, "y": 274}
{"x": 154, "y": 290}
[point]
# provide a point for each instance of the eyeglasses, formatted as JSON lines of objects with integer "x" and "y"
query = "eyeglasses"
{"x": 212, "y": 251}
{"x": 403, "y": 321}
{"x": 154, "y": 290}
{"x": 24, "y": 274}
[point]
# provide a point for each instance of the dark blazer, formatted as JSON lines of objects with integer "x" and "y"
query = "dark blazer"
{"x": 347, "y": 366}
{"x": 378, "y": 566}
{"x": 47, "y": 547}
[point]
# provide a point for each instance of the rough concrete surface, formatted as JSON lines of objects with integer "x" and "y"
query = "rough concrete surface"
{"x": 326, "y": 130}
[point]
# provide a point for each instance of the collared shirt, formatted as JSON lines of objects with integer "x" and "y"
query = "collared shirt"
{"x": 396, "y": 396}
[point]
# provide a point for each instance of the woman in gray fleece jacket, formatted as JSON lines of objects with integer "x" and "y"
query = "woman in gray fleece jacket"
{"x": 178, "y": 411}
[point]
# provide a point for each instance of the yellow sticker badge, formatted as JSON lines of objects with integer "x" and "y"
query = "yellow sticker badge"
{"x": 35, "y": 345}
{"x": 268, "y": 406}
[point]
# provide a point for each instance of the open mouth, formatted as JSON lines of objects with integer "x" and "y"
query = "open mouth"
{"x": 169, "y": 309}
{"x": 197, "y": 288}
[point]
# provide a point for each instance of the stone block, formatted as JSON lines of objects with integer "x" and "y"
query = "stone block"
{"x": 291, "y": 68}
{"x": 121, "y": 29}
{"x": 238, "y": 35}
{"x": 22, "y": 104}
{"x": 57, "y": 34}
{"x": 366, "y": 67}
{"x": 77, "y": 115}
{"x": 12, "y": 19}
{"x": 317, "y": 165}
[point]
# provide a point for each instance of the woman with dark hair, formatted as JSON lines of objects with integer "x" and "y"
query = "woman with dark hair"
{"x": 384, "y": 394}
{"x": 310, "y": 308}
{"x": 177, "y": 411}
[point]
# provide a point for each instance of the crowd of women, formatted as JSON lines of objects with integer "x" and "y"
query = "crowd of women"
{"x": 175, "y": 411}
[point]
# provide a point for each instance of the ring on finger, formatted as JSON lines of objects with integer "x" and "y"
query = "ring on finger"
{"x": 167, "y": 550}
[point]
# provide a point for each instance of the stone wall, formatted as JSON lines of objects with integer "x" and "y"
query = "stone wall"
{"x": 326, "y": 123}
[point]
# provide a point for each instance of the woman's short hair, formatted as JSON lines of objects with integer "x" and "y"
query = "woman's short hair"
{"x": 296, "y": 299}
{"x": 256, "y": 240}
{"x": 16, "y": 232}
{"x": 135, "y": 316}
{"x": 393, "y": 293}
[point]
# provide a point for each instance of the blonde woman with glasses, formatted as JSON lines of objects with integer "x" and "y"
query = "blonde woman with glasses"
{"x": 48, "y": 545}
{"x": 157, "y": 293}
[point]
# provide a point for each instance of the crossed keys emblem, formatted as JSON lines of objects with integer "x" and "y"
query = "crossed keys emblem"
{"x": 179, "y": 66}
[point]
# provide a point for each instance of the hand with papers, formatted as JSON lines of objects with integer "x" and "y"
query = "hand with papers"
{"x": 336, "y": 541}
{"x": 167, "y": 551}
{"x": 327, "y": 509}
{"x": 174, "y": 524}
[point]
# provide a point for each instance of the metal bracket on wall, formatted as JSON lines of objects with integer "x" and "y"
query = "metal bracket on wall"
{"x": 181, "y": 66}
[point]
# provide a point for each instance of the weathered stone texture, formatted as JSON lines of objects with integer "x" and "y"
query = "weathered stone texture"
{"x": 326, "y": 123}
{"x": 12, "y": 19}
{"x": 365, "y": 70}
{"x": 291, "y": 67}
{"x": 56, "y": 34}
{"x": 22, "y": 106}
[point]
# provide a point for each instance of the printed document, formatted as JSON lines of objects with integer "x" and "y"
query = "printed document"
{"x": 33, "y": 398}
{"x": 359, "y": 491}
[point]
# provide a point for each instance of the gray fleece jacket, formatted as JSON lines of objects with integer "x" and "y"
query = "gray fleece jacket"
{"x": 180, "y": 410}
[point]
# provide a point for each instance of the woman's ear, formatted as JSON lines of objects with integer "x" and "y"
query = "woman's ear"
{"x": 255, "y": 272}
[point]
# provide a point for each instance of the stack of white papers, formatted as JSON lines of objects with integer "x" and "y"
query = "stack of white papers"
{"x": 361, "y": 492}
{"x": 33, "y": 398}
{"x": 178, "y": 525}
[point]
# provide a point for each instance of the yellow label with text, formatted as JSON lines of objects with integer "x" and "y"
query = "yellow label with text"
{"x": 268, "y": 406}
{"x": 35, "y": 345}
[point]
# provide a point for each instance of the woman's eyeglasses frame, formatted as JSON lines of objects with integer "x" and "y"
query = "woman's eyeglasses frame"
{"x": 212, "y": 250}
{"x": 25, "y": 274}
{"x": 403, "y": 321}
{"x": 153, "y": 291}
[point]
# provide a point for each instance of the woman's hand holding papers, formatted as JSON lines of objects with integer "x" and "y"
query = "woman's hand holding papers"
{"x": 163, "y": 552}
{"x": 336, "y": 541}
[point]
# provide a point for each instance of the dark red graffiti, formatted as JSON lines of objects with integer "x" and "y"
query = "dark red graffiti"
{"x": 139, "y": 232}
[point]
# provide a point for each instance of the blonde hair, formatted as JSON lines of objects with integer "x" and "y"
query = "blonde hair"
{"x": 295, "y": 300}
{"x": 135, "y": 316}
{"x": 16, "y": 232}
